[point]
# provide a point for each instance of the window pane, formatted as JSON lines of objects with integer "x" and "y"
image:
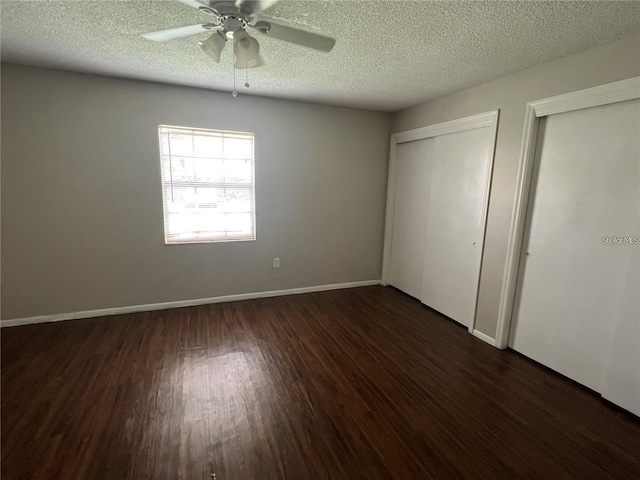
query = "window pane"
{"x": 210, "y": 170}
{"x": 208, "y": 185}
{"x": 235, "y": 225}
{"x": 209, "y": 198}
{"x": 238, "y": 200}
{"x": 183, "y": 197}
{"x": 208, "y": 147}
{"x": 238, "y": 148}
{"x": 240, "y": 223}
{"x": 182, "y": 169}
{"x": 180, "y": 145}
{"x": 238, "y": 171}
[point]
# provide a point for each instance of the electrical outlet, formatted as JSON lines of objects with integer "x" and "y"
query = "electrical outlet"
{"x": 276, "y": 263}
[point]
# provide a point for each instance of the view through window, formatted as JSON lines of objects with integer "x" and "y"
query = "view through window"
{"x": 208, "y": 185}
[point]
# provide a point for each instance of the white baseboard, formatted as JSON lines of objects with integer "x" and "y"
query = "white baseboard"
{"x": 181, "y": 303}
{"x": 486, "y": 338}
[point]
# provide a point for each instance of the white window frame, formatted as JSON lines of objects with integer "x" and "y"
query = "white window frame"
{"x": 168, "y": 183}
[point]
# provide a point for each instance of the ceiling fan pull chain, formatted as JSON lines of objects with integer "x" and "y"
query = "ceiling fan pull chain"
{"x": 234, "y": 93}
{"x": 246, "y": 73}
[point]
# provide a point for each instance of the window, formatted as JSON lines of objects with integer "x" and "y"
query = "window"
{"x": 207, "y": 184}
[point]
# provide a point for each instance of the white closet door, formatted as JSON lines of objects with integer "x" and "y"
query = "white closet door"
{"x": 621, "y": 380}
{"x": 410, "y": 218}
{"x": 576, "y": 302}
{"x": 455, "y": 230}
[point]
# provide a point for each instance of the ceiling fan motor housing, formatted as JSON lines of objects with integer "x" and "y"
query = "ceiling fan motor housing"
{"x": 232, "y": 23}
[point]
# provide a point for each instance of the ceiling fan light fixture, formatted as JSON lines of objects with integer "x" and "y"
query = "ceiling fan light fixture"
{"x": 213, "y": 46}
{"x": 246, "y": 48}
{"x": 255, "y": 62}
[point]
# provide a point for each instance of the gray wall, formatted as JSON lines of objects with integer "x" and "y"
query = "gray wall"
{"x": 596, "y": 66}
{"x": 82, "y": 224}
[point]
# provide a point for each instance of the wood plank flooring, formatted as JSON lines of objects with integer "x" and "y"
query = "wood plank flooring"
{"x": 354, "y": 384}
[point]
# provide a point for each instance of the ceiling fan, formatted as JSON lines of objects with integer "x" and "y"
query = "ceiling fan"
{"x": 230, "y": 22}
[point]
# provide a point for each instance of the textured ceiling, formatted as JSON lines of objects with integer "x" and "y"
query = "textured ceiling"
{"x": 389, "y": 54}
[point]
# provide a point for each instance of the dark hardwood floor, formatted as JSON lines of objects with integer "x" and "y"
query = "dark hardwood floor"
{"x": 353, "y": 384}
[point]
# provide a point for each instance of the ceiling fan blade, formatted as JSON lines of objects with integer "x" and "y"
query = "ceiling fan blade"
{"x": 255, "y": 6}
{"x": 264, "y": 4}
{"x": 193, "y": 3}
{"x": 295, "y": 35}
{"x": 179, "y": 32}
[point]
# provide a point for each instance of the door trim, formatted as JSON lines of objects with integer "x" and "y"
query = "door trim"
{"x": 486, "y": 119}
{"x": 609, "y": 93}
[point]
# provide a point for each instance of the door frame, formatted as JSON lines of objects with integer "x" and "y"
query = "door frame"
{"x": 486, "y": 119}
{"x": 606, "y": 94}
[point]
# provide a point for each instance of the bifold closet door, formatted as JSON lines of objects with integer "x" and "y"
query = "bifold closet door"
{"x": 455, "y": 227}
{"x": 414, "y": 161}
{"x": 577, "y": 306}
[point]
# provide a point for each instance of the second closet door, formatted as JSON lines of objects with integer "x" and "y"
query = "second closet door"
{"x": 577, "y": 306}
{"x": 455, "y": 228}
